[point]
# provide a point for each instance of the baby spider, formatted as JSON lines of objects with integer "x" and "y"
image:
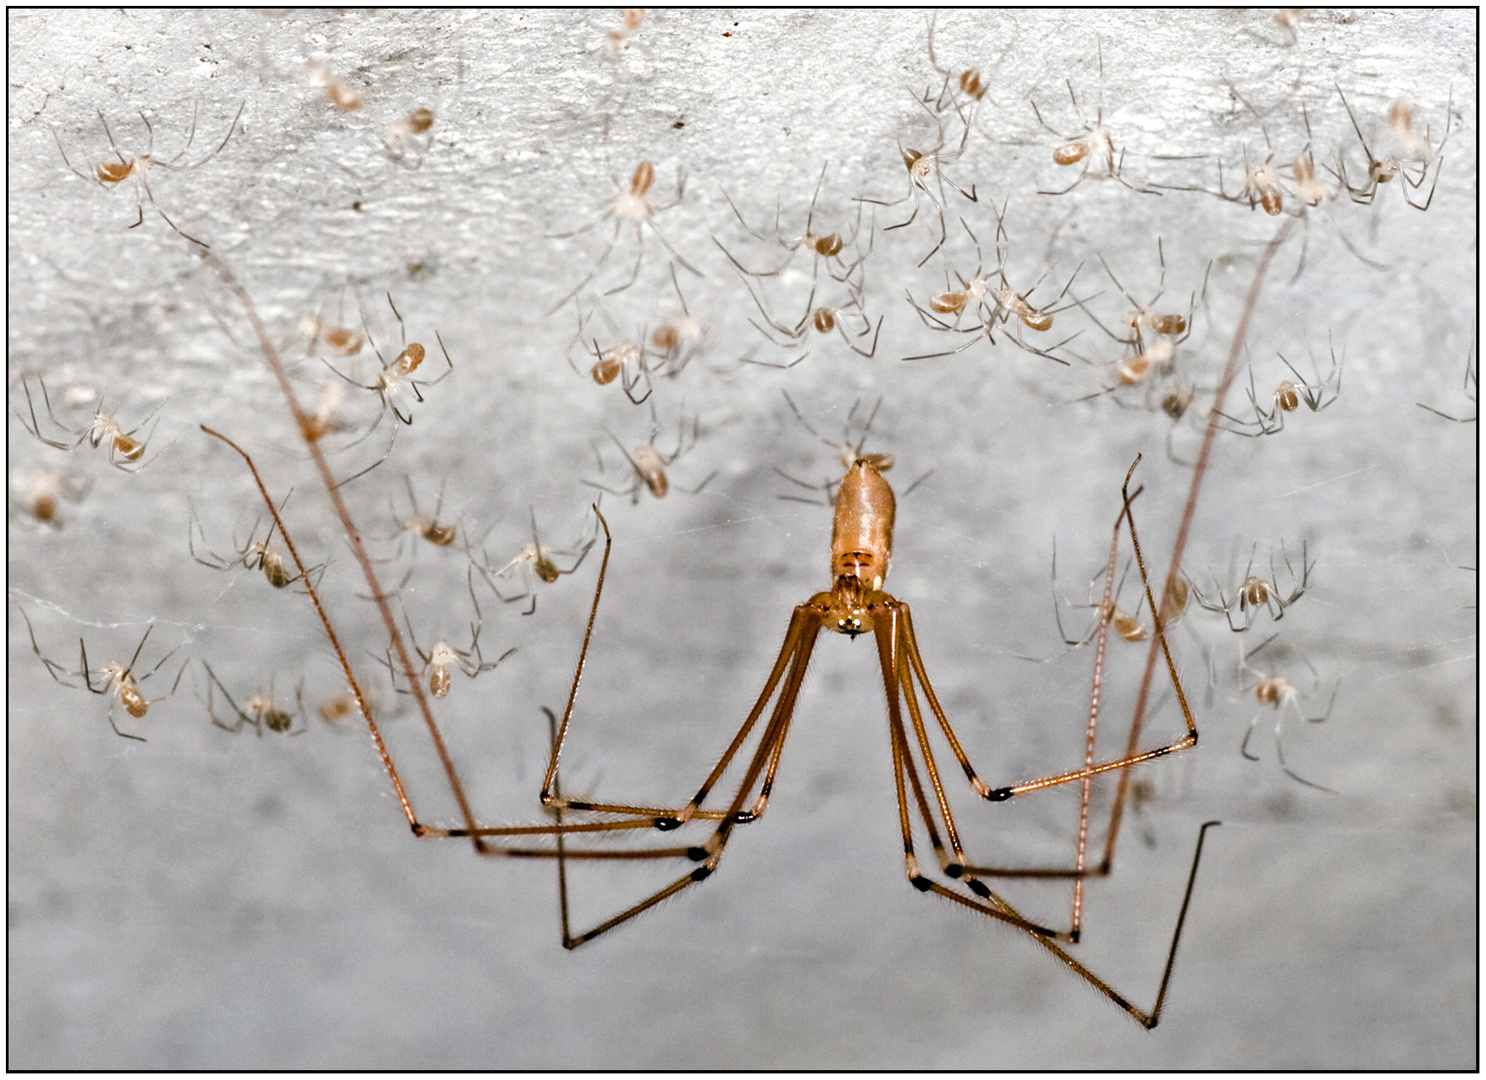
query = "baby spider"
{"x": 258, "y": 712}
{"x": 408, "y": 137}
{"x": 1144, "y": 319}
{"x": 396, "y": 376}
{"x": 533, "y": 563}
{"x": 1254, "y": 593}
{"x": 1288, "y": 397}
{"x": 821, "y": 319}
{"x": 822, "y": 247}
{"x": 924, "y": 170}
{"x": 416, "y": 524}
{"x": 338, "y": 339}
{"x": 624, "y": 361}
{"x": 679, "y": 338}
{"x": 46, "y": 489}
{"x": 1092, "y": 147}
{"x": 113, "y": 173}
{"x": 115, "y": 680}
{"x": 630, "y": 20}
{"x": 966, "y": 85}
{"x": 125, "y": 452}
{"x": 1411, "y": 147}
{"x": 443, "y": 658}
{"x": 1277, "y": 691}
{"x": 989, "y": 304}
{"x": 1106, "y": 612}
{"x": 254, "y": 555}
{"x": 631, "y": 206}
{"x": 649, "y": 464}
{"x": 343, "y": 95}
{"x": 326, "y": 419}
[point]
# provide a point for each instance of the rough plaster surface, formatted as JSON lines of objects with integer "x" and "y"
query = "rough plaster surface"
{"x": 202, "y": 900}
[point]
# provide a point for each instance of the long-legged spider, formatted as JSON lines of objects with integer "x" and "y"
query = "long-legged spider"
{"x": 396, "y": 376}
{"x": 854, "y": 605}
{"x": 1288, "y": 397}
{"x": 258, "y": 712}
{"x": 988, "y": 304}
{"x": 534, "y": 562}
{"x": 648, "y": 463}
{"x": 624, "y": 361}
{"x": 253, "y": 555}
{"x": 967, "y": 85}
{"x": 440, "y": 661}
{"x": 1254, "y": 593}
{"x": 1143, "y": 319}
{"x": 110, "y": 174}
{"x": 631, "y": 205}
{"x": 416, "y": 524}
{"x": 1092, "y": 146}
{"x": 115, "y": 680}
{"x": 1411, "y": 147}
{"x": 924, "y": 170}
{"x": 823, "y": 247}
{"x": 125, "y": 452}
{"x": 818, "y": 319}
{"x": 679, "y": 338}
{"x": 1278, "y": 692}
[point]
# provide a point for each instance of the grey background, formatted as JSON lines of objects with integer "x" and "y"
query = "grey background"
{"x": 202, "y": 900}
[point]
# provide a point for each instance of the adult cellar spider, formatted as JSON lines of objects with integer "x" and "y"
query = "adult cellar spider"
{"x": 110, "y": 173}
{"x": 115, "y": 680}
{"x": 855, "y": 604}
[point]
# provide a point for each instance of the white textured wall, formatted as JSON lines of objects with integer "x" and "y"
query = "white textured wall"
{"x": 208, "y": 901}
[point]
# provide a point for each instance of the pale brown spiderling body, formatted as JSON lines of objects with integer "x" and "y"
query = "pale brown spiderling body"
{"x": 258, "y": 712}
{"x": 990, "y": 299}
{"x": 137, "y": 167}
{"x": 116, "y": 681}
{"x": 533, "y": 563}
{"x": 342, "y": 94}
{"x": 1255, "y": 594}
{"x": 1278, "y": 693}
{"x": 443, "y": 659}
{"x": 339, "y": 339}
{"x": 630, "y": 206}
{"x": 395, "y": 381}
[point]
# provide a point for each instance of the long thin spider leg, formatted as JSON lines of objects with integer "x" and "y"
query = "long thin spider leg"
{"x": 994, "y": 906}
{"x": 1183, "y": 743}
{"x": 711, "y": 854}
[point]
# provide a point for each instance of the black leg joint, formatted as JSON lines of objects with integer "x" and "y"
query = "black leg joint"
{"x": 979, "y": 889}
{"x": 954, "y": 869}
{"x": 697, "y": 854}
{"x": 666, "y": 824}
{"x": 920, "y": 883}
{"x": 701, "y": 873}
{"x": 1000, "y": 794}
